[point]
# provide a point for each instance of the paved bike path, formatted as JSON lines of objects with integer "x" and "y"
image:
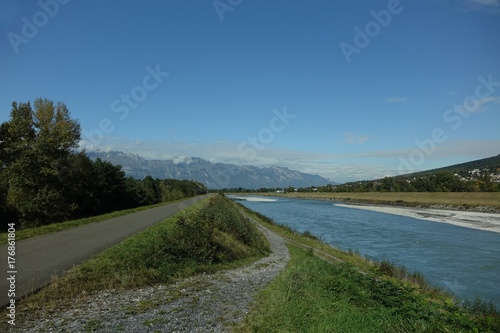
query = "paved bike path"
{"x": 40, "y": 258}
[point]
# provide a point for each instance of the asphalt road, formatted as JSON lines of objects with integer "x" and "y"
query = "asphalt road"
{"x": 39, "y": 259}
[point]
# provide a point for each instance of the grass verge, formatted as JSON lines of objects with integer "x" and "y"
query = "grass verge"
{"x": 312, "y": 295}
{"x": 208, "y": 236}
{"x": 348, "y": 293}
{"x": 55, "y": 227}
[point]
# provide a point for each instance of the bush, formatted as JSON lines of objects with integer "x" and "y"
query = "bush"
{"x": 216, "y": 234}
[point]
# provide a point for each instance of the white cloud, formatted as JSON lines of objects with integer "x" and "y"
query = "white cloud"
{"x": 491, "y": 6}
{"x": 478, "y": 105}
{"x": 394, "y": 99}
{"x": 485, "y": 2}
{"x": 351, "y": 138}
{"x": 336, "y": 167}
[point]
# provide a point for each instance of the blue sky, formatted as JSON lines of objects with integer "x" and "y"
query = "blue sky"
{"x": 345, "y": 89}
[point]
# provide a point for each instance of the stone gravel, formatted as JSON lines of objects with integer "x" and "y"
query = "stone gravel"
{"x": 202, "y": 303}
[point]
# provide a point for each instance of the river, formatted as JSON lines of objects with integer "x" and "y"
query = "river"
{"x": 463, "y": 261}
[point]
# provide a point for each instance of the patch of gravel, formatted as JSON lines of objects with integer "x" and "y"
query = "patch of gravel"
{"x": 202, "y": 303}
{"x": 464, "y": 218}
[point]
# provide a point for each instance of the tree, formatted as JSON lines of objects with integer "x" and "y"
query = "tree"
{"x": 36, "y": 146}
{"x": 151, "y": 191}
{"x": 110, "y": 193}
{"x": 80, "y": 183}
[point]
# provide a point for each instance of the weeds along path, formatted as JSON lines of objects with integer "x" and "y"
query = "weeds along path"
{"x": 202, "y": 303}
{"x": 40, "y": 259}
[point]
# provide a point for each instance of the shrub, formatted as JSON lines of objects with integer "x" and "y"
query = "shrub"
{"x": 217, "y": 233}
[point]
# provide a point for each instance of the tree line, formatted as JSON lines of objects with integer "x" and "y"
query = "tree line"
{"x": 44, "y": 179}
{"x": 443, "y": 181}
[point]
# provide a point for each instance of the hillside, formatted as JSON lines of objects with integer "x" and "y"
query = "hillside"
{"x": 213, "y": 175}
{"x": 475, "y": 176}
{"x": 492, "y": 164}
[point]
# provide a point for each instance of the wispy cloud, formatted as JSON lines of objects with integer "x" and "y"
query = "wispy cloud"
{"x": 480, "y": 105}
{"x": 396, "y": 100}
{"x": 351, "y": 138}
{"x": 485, "y": 2}
{"x": 492, "y": 6}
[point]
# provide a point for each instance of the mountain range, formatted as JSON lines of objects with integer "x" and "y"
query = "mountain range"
{"x": 213, "y": 175}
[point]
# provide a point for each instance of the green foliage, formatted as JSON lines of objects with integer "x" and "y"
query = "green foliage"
{"x": 401, "y": 273}
{"x": 442, "y": 181}
{"x": 216, "y": 234}
{"x": 35, "y": 143}
{"x": 193, "y": 239}
{"x": 43, "y": 180}
{"x": 477, "y": 176}
{"x": 312, "y": 295}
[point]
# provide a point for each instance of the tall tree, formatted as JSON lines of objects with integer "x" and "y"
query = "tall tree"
{"x": 111, "y": 187}
{"x": 37, "y": 145}
{"x": 80, "y": 183}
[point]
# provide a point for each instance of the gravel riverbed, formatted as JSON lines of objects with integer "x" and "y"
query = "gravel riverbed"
{"x": 480, "y": 220}
{"x": 202, "y": 303}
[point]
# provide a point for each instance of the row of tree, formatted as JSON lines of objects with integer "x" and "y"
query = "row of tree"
{"x": 43, "y": 179}
{"x": 443, "y": 181}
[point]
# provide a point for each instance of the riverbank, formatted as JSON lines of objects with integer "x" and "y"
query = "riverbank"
{"x": 468, "y": 219}
{"x": 477, "y": 210}
{"x": 324, "y": 289}
{"x": 483, "y": 202}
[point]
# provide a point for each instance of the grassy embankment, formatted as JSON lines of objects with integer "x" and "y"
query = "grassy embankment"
{"x": 323, "y": 289}
{"x": 456, "y": 199}
{"x": 208, "y": 236}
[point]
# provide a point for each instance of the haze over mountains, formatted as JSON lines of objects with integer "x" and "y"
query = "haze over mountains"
{"x": 213, "y": 175}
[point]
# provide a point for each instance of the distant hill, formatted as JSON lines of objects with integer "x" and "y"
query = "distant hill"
{"x": 475, "y": 176}
{"x": 213, "y": 175}
{"x": 490, "y": 163}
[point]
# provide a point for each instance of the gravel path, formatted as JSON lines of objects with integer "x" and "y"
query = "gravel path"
{"x": 202, "y": 303}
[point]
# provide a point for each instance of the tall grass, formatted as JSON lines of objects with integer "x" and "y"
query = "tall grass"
{"x": 312, "y": 295}
{"x": 217, "y": 233}
{"x": 417, "y": 279}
